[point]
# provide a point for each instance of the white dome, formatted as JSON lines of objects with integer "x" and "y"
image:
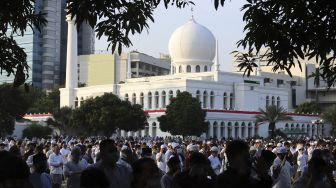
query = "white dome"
{"x": 192, "y": 44}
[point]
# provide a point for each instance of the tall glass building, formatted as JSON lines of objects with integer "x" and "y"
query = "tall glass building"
{"x": 46, "y": 51}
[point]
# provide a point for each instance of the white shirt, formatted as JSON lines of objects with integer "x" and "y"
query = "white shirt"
{"x": 301, "y": 161}
{"x": 215, "y": 164}
{"x": 54, "y": 163}
{"x": 161, "y": 162}
{"x": 284, "y": 178}
{"x": 65, "y": 152}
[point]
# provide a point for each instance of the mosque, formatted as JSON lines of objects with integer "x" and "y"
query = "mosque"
{"x": 231, "y": 100}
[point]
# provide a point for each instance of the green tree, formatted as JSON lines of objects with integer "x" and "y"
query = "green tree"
{"x": 308, "y": 107}
{"x": 272, "y": 114}
{"x": 36, "y": 130}
{"x": 12, "y": 107}
{"x": 184, "y": 116}
{"x": 16, "y": 16}
{"x": 46, "y": 103}
{"x": 105, "y": 114}
{"x": 61, "y": 119}
{"x": 329, "y": 115}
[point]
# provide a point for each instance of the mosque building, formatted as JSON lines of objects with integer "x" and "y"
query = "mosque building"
{"x": 231, "y": 100}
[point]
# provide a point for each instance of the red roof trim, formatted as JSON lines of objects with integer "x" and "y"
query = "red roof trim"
{"x": 235, "y": 112}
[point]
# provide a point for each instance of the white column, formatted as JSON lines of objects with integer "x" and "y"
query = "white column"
{"x": 219, "y": 134}
{"x": 129, "y": 69}
{"x": 71, "y": 60}
{"x": 210, "y": 129}
{"x": 252, "y": 131}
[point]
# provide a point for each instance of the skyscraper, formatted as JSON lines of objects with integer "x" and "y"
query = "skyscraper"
{"x": 46, "y": 51}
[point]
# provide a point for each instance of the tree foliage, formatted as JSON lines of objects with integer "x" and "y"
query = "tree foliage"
{"x": 105, "y": 114}
{"x": 308, "y": 107}
{"x": 12, "y": 106}
{"x": 272, "y": 114}
{"x": 15, "y": 17}
{"x": 184, "y": 116}
{"x": 329, "y": 115}
{"x": 46, "y": 103}
{"x": 117, "y": 19}
{"x": 61, "y": 119}
{"x": 36, "y": 131}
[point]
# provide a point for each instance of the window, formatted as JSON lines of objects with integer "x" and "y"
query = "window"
{"x": 231, "y": 101}
{"x": 236, "y": 127}
{"x": 205, "y": 99}
{"x": 163, "y": 96}
{"x": 267, "y": 101}
{"x": 229, "y": 130}
{"x": 198, "y": 95}
{"x": 205, "y": 68}
{"x": 154, "y": 129}
{"x": 198, "y": 68}
{"x": 171, "y": 94}
{"x": 243, "y": 130}
{"x": 188, "y": 68}
{"x": 76, "y": 102}
{"x": 149, "y": 100}
{"x": 147, "y": 130}
{"x": 177, "y": 92}
{"x": 273, "y": 100}
{"x": 278, "y": 101}
{"x": 249, "y": 130}
{"x": 141, "y": 99}
{"x": 222, "y": 130}
{"x": 225, "y": 101}
{"x": 156, "y": 99}
{"x": 133, "y": 64}
{"x": 212, "y": 99}
{"x": 215, "y": 129}
{"x": 267, "y": 80}
{"x": 134, "y": 98}
{"x": 126, "y": 97}
{"x": 286, "y": 126}
{"x": 174, "y": 69}
{"x": 180, "y": 69}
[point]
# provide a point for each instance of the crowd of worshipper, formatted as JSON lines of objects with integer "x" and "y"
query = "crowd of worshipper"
{"x": 171, "y": 162}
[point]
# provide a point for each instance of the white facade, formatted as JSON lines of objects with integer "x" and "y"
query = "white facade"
{"x": 231, "y": 100}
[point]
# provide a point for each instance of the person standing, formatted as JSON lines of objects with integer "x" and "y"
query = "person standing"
{"x": 55, "y": 165}
{"x": 281, "y": 170}
{"x": 73, "y": 168}
{"x": 39, "y": 178}
{"x": 214, "y": 160}
{"x": 160, "y": 158}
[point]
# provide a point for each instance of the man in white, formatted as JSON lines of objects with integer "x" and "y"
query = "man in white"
{"x": 214, "y": 160}
{"x": 302, "y": 160}
{"x": 65, "y": 151}
{"x": 56, "y": 161}
{"x": 281, "y": 170}
{"x": 160, "y": 158}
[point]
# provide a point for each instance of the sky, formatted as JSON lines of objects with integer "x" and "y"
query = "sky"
{"x": 226, "y": 24}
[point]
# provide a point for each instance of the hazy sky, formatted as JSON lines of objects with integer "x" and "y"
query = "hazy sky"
{"x": 225, "y": 23}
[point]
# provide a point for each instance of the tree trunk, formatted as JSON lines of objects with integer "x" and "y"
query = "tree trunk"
{"x": 271, "y": 127}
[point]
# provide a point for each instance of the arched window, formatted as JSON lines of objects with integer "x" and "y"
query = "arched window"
{"x": 214, "y": 128}
{"x": 222, "y": 129}
{"x": 154, "y": 128}
{"x": 231, "y": 101}
{"x": 134, "y": 98}
{"x": 242, "y": 130}
{"x": 198, "y": 68}
{"x": 286, "y": 126}
{"x": 163, "y": 96}
{"x": 141, "y": 99}
{"x": 256, "y": 129}
{"x": 278, "y": 101}
{"x": 225, "y": 101}
{"x": 292, "y": 126}
{"x": 205, "y": 99}
{"x": 156, "y": 99}
{"x": 273, "y": 100}
{"x": 205, "y": 68}
{"x": 174, "y": 69}
{"x": 229, "y": 130}
{"x": 212, "y": 99}
{"x": 188, "y": 68}
{"x": 198, "y": 95}
{"x": 149, "y": 100}
{"x": 81, "y": 101}
{"x": 297, "y": 127}
{"x": 147, "y": 130}
{"x": 171, "y": 94}
{"x": 180, "y": 69}
{"x": 178, "y": 92}
{"x": 76, "y": 102}
{"x": 126, "y": 97}
{"x": 303, "y": 128}
{"x": 267, "y": 101}
{"x": 249, "y": 130}
{"x": 236, "y": 130}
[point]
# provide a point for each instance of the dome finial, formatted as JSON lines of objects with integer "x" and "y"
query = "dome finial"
{"x": 192, "y": 13}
